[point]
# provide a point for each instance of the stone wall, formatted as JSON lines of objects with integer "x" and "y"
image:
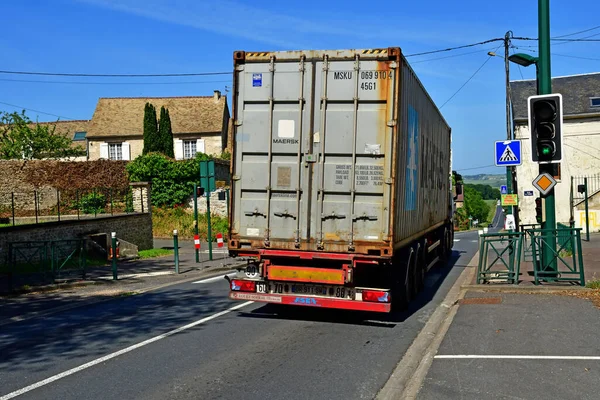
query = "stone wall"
{"x": 218, "y": 207}
{"x": 134, "y": 228}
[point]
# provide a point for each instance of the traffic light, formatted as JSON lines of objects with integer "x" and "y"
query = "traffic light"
{"x": 538, "y": 210}
{"x": 545, "y": 124}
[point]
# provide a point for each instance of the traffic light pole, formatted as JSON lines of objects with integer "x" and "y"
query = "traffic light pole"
{"x": 545, "y": 87}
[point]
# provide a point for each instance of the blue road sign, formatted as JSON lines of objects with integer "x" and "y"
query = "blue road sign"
{"x": 529, "y": 193}
{"x": 508, "y": 153}
{"x": 503, "y": 189}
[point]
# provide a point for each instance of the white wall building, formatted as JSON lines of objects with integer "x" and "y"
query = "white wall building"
{"x": 581, "y": 148}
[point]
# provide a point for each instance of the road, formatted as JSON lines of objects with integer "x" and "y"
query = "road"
{"x": 187, "y": 341}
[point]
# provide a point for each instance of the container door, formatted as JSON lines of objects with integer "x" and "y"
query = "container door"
{"x": 272, "y": 142}
{"x": 353, "y": 141}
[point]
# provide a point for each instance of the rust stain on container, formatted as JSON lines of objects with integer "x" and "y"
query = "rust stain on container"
{"x": 481, "y": 300}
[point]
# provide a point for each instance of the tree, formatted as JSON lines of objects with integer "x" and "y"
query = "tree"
{"x": 165, "y": 134}
{"x": 150, "y": 129}
{"x": 474, "y": 204}
{"x": 20, "y": 140}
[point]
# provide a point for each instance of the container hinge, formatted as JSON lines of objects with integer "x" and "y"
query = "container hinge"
{"x": 236, "y": 178}
{"x": 333, "y": 215}
{"x": 365, "y": 217}
{"x": 284, "y": 214}
{"x": 253, "y": 213}
{"x": 389, "y": 181}
{"x": 239, "y": 67}
{"x": 238, "y": 122}
{"x": 391, "y": 122}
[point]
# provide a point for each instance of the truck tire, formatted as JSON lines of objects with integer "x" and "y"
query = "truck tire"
{"x": 402, "y": 288}
{"x": 446, "y": 246}
{"x": 420, "y": 271}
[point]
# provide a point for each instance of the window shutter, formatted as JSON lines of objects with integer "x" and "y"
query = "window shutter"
{"x": 125, "y": 148}
{"x": 178, "y": 149}
{"x": 104, "y": 150}
{"x": 200, "y": 146}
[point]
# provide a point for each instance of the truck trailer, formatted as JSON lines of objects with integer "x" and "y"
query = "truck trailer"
{"x": 341, "y": 193}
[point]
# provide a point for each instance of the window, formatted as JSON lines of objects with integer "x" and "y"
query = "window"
{"x": 79, "y": 136}
{"x": 115, "y": 151}
{"x": 594, "y": 101}
{"x": 189, "y": 148}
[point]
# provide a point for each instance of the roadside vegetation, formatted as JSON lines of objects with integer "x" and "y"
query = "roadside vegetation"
{"x": 164, "y": 220}
{"x": 151, "y": 253}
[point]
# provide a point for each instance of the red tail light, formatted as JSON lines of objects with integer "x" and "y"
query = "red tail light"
{"x": 376, "y": 296}
{"x": 243, "y": 286}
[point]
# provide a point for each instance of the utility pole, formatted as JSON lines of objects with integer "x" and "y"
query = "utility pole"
{"x": 511, "y": 173}
{"x": 545, "y": 87}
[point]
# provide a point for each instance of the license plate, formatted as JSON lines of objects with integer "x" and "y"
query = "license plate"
{"x": 340, "y": 292}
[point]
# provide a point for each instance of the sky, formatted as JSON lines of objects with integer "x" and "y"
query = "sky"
{"x": 197, "y": 36}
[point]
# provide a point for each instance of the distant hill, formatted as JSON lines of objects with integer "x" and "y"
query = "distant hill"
{"x": 494, "y": 181}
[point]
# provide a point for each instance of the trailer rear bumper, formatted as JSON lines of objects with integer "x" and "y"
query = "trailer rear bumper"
{"x": 312, "y": 301}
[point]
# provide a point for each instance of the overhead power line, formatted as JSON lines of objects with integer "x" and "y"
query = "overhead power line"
{"x": 453, "y": 48}
{"x": 112, "y": 75}
{"x": 468, "y": 80}
{"x": 470, "y": 169}
{"x": 37, "y": 111}
{"x": 577, "y": 33}
{"x": 111, "y": 83}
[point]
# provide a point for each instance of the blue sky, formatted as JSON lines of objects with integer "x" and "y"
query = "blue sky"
{"x": 189, "y": 36}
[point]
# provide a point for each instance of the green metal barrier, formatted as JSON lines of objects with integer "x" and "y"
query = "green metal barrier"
{"x": 568, "y": 255}
{"x": 46, "y": 260}
{"x": 528, "y": 244}
{"x": 505, "y": 251}
{"x": 68, "y": 255}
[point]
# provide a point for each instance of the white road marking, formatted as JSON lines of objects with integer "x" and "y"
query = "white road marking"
{"x": 216, "y": 278}
{"x": 515, "y": 357}
{"x": 120, "y": 352}
{"x": 457, "y": 240}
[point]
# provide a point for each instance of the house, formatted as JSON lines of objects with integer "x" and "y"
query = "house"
{"x": 199, "y": 124}
{"x": 74, "y": 129}
{"x": 580, "y": 148}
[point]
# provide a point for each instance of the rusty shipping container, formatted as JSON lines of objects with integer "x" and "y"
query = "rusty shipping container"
{"x": 336, "y": 152}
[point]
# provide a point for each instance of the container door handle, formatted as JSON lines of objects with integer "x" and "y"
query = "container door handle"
{"x": 365, "y": 217}
{"x": 284, "y": 214}
{"x": 253, "y": 213}
{"x": 333, "y": 215}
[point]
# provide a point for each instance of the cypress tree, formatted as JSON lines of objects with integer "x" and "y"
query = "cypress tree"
{"x": 150, "y": 129}
{"x": 165, "y": 134}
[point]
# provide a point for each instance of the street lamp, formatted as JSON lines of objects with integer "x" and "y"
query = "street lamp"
{"x": 524, "y": 60}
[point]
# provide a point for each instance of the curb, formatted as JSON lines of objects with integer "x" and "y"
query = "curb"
{"x": 408, "y": 375}
{"x": 524, "y": 289}
{"x": 210, "y": 274}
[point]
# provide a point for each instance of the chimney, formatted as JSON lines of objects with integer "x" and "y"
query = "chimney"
{"x": 217, "y": 95}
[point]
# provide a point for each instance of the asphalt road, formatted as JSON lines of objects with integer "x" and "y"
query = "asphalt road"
{"x": 255, "y": 351}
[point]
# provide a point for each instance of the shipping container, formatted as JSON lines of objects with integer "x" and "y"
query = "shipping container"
{"x": 336, "y": 155}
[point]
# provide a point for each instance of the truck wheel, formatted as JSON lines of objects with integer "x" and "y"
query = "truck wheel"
{"x": 420, "y": 268}
{"x": 402, "y": 290}
{"x": 446, "y": 246}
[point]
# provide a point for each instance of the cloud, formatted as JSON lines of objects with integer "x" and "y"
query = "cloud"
{"x": 235, "y": 19}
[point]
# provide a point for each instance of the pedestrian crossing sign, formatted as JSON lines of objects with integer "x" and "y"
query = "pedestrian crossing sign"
{"x": 508, "y": 153}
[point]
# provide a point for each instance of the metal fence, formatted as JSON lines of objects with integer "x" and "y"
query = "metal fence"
{"x": 48, "y": 205}
{"x": 593, "y": 183}
{"x": 44, "y": 261}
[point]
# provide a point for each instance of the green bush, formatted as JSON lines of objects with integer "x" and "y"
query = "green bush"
{"x": 92, "y": 203}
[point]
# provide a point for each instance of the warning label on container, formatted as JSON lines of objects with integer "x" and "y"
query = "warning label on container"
{"x": 365, "y": 174}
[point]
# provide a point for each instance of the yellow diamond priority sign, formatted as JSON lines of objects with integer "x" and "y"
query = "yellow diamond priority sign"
{"x": 544, "y": 183}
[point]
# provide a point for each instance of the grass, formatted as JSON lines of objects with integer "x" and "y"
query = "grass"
{"x": 593, "y": 284}
{"x": 492, "y": 205}
{"x": 165, "y": 220}
{"x": 151, "y": 253}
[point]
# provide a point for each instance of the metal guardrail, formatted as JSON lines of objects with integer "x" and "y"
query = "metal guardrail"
{"x": 528, "y": 244}
{"x": 567, "y": 256}
{"x": 46, "y": 260}
{"x": 504, "y": 251}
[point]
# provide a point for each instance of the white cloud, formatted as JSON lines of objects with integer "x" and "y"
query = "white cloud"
{"x": 235, "y": 19}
